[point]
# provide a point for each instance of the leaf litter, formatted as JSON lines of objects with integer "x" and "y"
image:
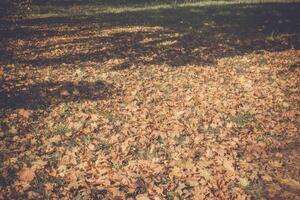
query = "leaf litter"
{"x": 154, "y": 131}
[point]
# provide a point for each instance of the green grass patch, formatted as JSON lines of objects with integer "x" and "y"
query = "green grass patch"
{"x": 214, "y": 131}
{"x": 256, "y": 190}
{"x": 242, "y": 119}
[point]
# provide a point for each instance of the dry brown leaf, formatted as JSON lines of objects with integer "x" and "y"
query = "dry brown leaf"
{"x": 142, "y": 197}
{"x": 26, "y": 175}
{"x": 64, "y": 93}
{"x": 92, "y": 147}
{"x": 24, "y": 113}
{"x": 54, "y": 139}
{"x": 228, "y": 165}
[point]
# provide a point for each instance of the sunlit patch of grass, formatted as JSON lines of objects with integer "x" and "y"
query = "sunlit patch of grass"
{"x": 271, "y": 37}
{"x": 61, "y": 129}
{"x": 104, "y": 146}
{"x": 214, "y": 131}
{"x": 53, "y": 159}
{"x": 71, "y": 142}
{"x": 242, "y": 119}
{"x": 38, "y": 183}
{"x": 242, "y": 67}
{"x": 167, "y": 43}
{"x": 86, "y": 139}
{"x": 134, "y": 151}
{"x": 262, "y": 61}
{"x": 272, "y": 78}
{"x": 27, "y": 160}
{"x": 96, "y": 8}
{"x": 116, "y": 166}
{"x": 256, "y": 190}
{"x": 172, "y": 195}
{"x": 179, "y": 139}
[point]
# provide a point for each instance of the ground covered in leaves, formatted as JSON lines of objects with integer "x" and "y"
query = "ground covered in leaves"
{"x": 187, "y": 102}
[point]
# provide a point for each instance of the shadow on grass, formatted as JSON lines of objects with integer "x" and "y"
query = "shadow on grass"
{"x": 188, "y": 35}
{"x": 42, "y": 95}
{"x": 178, "y": 36}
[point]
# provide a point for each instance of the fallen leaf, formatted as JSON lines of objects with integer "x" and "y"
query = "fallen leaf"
{"x": 64, "y": 93}
{"x": 26, "y": 175}
{"x": 176, "y": 171}
{"x": 275, "y": 163}
{"x": 228, "y": 165}
{"x": 291, "y": 183}
{"x": 55, "y": 139}
{"x": 68, "y": 134}
{"x": 24, "y": 113}
{"x": 244, "y": 182}
{"x": 267, "y": 178}
{"x": 92, "y": 147}
{"x": 142, "y": 197}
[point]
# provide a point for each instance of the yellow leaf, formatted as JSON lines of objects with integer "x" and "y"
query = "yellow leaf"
{"x": 267, "y": 178}
{"x": 291, "y": 183}
{"x": 204, "y": 173}
{"x": 38, "y": 164}
{"x": 244, "y": 182}
{"x": 286, "y": 104}
{"x": 187, "y": 165}
{"x": 176, "y": 171}
{"x": 68, "y": 134}
{"x": 275, "y": 163}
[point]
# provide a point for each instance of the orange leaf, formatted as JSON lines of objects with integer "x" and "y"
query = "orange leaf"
{"x": 26, "y": 175}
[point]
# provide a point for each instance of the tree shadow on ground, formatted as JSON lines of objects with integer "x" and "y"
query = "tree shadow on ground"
{"x": 198, "y": 35}
{"x": 42, "y": 95}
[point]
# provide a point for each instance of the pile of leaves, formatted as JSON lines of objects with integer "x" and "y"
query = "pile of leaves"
{"x": 90, "y": 128}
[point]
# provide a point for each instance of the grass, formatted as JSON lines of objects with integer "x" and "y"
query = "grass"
{"x": 214, "y": 131}
{"x": 242, "y": 119}
{"x": 61, "y": 129}
{"x": 98, "y": 7}
{"x": 256, "y": 190}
